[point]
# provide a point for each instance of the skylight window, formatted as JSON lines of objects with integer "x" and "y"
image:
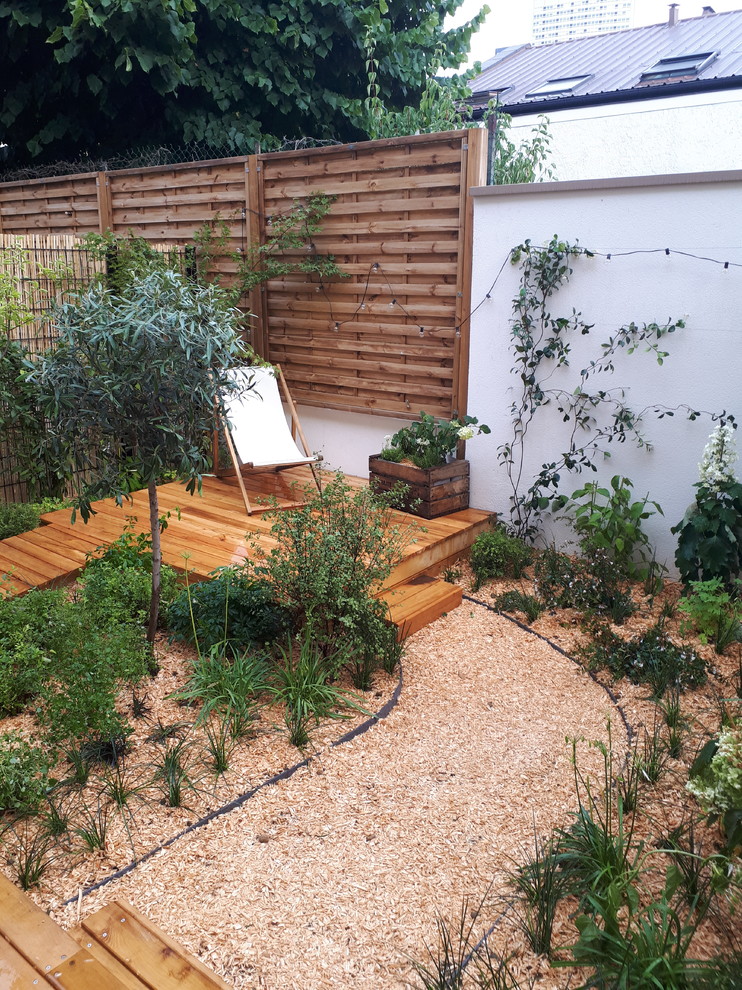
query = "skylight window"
{"x": 557, "y": 87}
{"x": 678, "y": 65}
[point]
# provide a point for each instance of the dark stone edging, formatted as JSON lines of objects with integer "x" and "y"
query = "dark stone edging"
{"x": 359, "y": 730}
{"x": 241, "y": 799}
{"x": 555, "y": 646}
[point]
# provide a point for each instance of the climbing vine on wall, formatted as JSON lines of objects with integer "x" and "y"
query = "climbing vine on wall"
{"x": 594, "y": 417}
{"x": 276, "y": 255}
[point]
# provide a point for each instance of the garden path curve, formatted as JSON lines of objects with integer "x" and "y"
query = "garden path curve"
{"x": 333, "y": 878}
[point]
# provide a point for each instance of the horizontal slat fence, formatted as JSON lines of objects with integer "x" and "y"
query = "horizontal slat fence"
{"x": 399, "y": 226}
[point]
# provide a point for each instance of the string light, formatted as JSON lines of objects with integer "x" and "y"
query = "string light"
{"x": 376, "y": 267}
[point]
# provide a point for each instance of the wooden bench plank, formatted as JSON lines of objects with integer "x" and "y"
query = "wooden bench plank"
{"x": 110, "y": 962}
{"x": 15, "y": 972}
{"x": 155, "y": 958}
{"x": 32, "y": 932}
{"x": 83, "y": 971}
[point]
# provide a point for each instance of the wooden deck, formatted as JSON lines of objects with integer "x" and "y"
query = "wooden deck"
{"x": 117, "y": 948}
{"x": 211, "y": 532}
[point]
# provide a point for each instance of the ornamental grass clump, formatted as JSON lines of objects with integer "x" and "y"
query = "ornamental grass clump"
{"x": 429, "y": 442}
{"x": 710, "y": 533}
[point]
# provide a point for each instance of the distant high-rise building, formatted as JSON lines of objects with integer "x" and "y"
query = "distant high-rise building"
{"x": 563, "y": 20}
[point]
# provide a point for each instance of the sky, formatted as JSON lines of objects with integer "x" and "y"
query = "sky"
{"x": 509, "y": 22}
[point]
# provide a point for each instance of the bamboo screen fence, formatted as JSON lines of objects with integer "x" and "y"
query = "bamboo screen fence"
{"x": 37, "y": 270}
{"x": 399, "y": 226}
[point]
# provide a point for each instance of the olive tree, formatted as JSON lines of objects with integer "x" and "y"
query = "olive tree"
{"x": 132, "y": 388}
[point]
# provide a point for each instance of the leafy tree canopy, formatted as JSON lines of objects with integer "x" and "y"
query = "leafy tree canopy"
{"x": 101, "y": 76}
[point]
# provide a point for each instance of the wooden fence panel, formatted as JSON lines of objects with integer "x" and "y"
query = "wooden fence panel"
{"x": 392, "y": 337}
{"x": 389, "y": 338}
{"x": 65, "y": 204}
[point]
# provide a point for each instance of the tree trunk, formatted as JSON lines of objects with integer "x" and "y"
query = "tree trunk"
{"x": 154, "y": 522}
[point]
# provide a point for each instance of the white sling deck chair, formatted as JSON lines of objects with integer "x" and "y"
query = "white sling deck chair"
{"x": 257, "y": 434}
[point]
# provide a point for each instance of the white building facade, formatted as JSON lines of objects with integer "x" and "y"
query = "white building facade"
{"x": 563, "y": 20}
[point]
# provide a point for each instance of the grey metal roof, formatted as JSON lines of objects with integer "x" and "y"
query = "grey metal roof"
{"x": 615, "y": 62}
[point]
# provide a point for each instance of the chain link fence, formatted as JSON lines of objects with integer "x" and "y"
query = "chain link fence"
{"x": 163, "y": 154}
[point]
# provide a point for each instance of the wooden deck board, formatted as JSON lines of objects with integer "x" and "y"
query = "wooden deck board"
{"x": 147, "y": 951}
{"x": 214, "y": 531}
{"x": 118, "y": 948}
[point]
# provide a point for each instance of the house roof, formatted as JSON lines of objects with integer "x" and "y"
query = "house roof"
{"x": 613, "y": 64}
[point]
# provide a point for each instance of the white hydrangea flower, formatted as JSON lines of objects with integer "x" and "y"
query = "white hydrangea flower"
{"x": 423, "y": 442}
{"x": 719, "y": 456}
{"x": 387, "y": 441}
{"x": 465, "y": 433}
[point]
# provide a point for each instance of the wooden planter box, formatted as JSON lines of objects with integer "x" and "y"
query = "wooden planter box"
{"x": 439, "y": 490}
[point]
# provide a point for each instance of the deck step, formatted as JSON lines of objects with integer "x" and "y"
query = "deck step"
{"x": 420, "y": 601}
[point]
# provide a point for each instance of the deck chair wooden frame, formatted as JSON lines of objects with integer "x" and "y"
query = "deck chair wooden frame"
{"x": 241, "y": 468}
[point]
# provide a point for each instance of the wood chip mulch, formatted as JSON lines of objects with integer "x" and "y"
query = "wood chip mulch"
{"x": 334, "y": 878}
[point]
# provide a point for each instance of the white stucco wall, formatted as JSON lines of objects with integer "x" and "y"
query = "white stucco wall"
{"x": 700, "y": 214}
{"x": 700, "y": 132}
{"x": 346, "y": 440}
{"x": 697, "y": 214}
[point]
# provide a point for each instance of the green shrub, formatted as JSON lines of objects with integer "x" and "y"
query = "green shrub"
{"x": 496, "y": 554}
{"x": 371, "y": 643}
{"x": 649, "y": 658}
{"x": 591, "y": 583}
{"x": 329, "y": 558}
{"x": 232, "y": 610}
{"x": 123, "y": 595}
{"x": 716, "y": 780}
{"x": 117, "y": 585}
{"x": 554, "y": 576}
{"x": 22, "y": 671}
{"x": 710, "y": 533}
{"x": 714, "y": 613}
{"x": 63, "y": 654}
{"x": 17, "y": 517}
{"x": 609, "y": 521}
{"x": 24, "y": 774}
{"x": 78, "y": 700}
{"x": 34, "y": 629}
{"x": 599, "y": 585}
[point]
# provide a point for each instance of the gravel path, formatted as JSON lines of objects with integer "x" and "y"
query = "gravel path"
{"x": 333, "y": 879}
